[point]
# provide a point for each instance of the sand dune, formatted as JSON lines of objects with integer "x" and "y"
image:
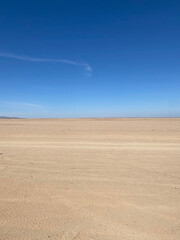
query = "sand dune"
{"x": 94, "y": 179}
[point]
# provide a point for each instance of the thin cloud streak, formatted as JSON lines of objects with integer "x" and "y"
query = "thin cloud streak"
{"x": 86, "y": 66}
{"x": 15, "y": 104}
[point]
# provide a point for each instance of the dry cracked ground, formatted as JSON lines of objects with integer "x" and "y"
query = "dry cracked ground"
{"x": 90, "y": 179}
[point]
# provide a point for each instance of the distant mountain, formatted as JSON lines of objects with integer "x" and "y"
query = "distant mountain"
{"x": 4, "y": 117}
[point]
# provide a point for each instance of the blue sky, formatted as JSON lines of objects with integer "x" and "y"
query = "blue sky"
{"x": 90, "y": 58}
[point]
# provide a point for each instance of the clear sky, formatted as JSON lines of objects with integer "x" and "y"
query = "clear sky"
{"x": 90, "y": 58}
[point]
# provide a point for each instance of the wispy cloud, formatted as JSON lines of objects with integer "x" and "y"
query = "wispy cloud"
{"x": 86, "y": 66}
{"x": 15, "y": 104}
{"x": 22, "y": 109}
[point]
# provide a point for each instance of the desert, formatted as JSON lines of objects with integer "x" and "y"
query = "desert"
{"x": 96, "y": 179}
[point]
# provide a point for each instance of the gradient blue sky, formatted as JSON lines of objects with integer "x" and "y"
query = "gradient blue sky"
{"x": 90, "y": 58}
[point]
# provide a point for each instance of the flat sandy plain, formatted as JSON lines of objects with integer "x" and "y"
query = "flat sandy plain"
{"x": 90, "y": 179}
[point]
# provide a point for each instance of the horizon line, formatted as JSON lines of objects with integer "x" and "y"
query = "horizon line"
{"x": 6, "y": 117}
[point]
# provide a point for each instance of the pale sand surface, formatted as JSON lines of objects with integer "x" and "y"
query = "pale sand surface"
{"x": 94, "y": 179}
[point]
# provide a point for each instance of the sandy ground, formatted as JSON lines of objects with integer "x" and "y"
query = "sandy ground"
{"x": 94, "y": 179}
